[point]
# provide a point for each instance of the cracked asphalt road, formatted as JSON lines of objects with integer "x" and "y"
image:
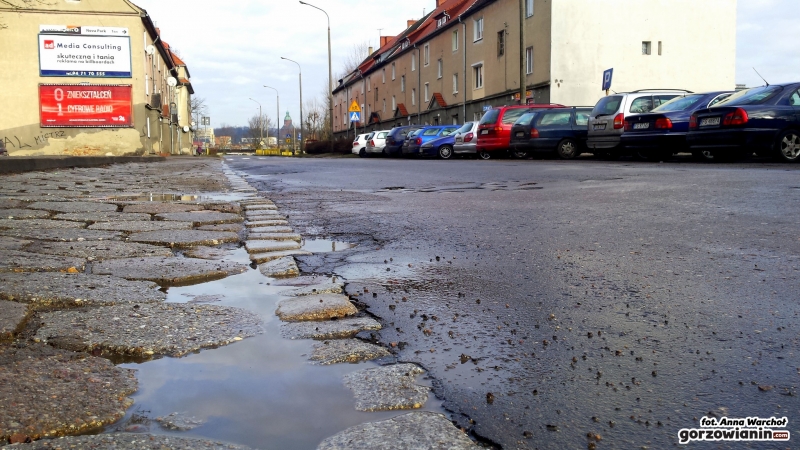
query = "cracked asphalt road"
{"x": 568, "y": 304}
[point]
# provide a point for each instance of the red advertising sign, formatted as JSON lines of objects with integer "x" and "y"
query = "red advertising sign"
{"x": 88, "y": 106}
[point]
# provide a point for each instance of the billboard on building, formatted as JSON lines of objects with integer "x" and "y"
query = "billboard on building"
{"x": 72, "y": 54}
{"x": 87, "y": 106}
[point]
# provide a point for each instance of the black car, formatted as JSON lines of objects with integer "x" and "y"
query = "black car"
{"x": 765, "y": 120}
{"x": 396, "y": 137}
{"x": 662, "y": 132}
{"x": 561, "y": 131}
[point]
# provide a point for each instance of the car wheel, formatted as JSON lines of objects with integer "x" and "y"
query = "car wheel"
{"x": 520, "y": 154}
{"x": 362, "y": 153}
{"x": 445, "y": 152}
{"x": 788, "y": 146}
{"x": 483, "y": 154}
{"x": 704, "y": 155}
{"x": 567, "y": 149}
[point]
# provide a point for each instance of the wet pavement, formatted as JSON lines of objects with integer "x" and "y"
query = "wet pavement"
{"x": 580, "y": 304}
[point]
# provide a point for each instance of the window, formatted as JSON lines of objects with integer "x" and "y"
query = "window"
{"x": 455, "y": 83}
{"x": 441, "y": 21}
{"x": 478, "y": 29}
{"x": 393, "y": 71}
{"x": 455, "y": 40}
{"x": 427, "y": 53}
{"x": 642, "y": 105}
{"x": 476, "y": 116}
{"x": 582, "y": 118}
{"x": 394, "y": 103}
{"x": 528, "y": 8}
{"x": 369, "y": 88}
{"x": 477, "y": 75}
{"x": 413, "y": 96}
{"x": 376, "y": 95}
{"x": 402, "y": 83}
{"x": 659, "y": 48}
{"x": 529, "y": 60}
{"x": 439, "y": 68}
{"x": 794, "y": 100}
{"x": 501, "y": 43}
{"x": 383, "y": 75}
{"x": 384, "y": 105}
{"x": 552, "y": 119}
{"x": 426, "y": 93}
{"x": 645, "y": 47}
{"x": 413, "y": 63}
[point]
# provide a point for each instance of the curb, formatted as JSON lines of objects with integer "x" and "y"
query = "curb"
{"x": 25, "y": 164}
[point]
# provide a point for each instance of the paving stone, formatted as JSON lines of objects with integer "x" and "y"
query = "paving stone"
{"x": 135, "y": 226}
{"x": 23, "y": 214}
{"x": 420, "y": 430}
{"x": 56, "y": 392}
{"x": 94, "y": 217}
{"x": 7, "y": 203}
{"x": 268, "y": 214}
{"x": 257, "y": 224}
{"x": 346, "y": 351}
{"x": 306, "y": 280}
{"x": 63, "y": 235}
{"x": 329, "y": 329}
{"x": 184, "y": 238}
{"x": 37, "y": 224}
{"x": 201, "y": 218}
{"x": 18, "y": 261}
{"x": 283, "y": 267}
{"x": 260, "y": 206}
{"x": 259, "y": 258}
{"x": 315, "y": 307}
{"x": 10, "y": 243}
{"x": 208, "y": 252}
{"x": 97, "y": 250}
{"x": 160, "y": 208}
{"x": 273, "y": 223}
{"x": 12, "y": 315}
{"x": 322, "y": 288}
{"x": 44, "y": 290}
{"x": 167, "y": 271}
{"x": 261, "y": 246}
{"x": 232, "y": 227}
{"x": 275, "y": 236}
{"x": 128, "y": 441}
{"x": 275, "y": 229}
{"x": 73, "y": 207}
{"x": 147, "y": 329}
{"x": 387, "y": 388}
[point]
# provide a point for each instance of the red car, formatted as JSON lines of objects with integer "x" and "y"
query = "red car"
{"x": 494, "y": 129}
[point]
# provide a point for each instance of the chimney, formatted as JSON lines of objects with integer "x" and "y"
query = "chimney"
{"x": 385, "y": 40}
{"x": 410, "y": 22}
{"x": 371, "y": 50}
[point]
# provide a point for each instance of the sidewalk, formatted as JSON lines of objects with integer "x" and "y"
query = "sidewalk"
{"x": 26, "y": 164}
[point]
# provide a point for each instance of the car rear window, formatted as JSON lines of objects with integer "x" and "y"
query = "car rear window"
{"x": 431, "y": 132}
{"x": 607, "y": 106}
{"x": 382, "y": 135}
{"x": 449, "y": 131}
{"x": 555, "y": 118}
{"x": 466, "y": 127}
{"x": 582, "y": 117}
{"x": 511, "y": 115}
{"x": 752, "y": 96}
{"x": 525, "y": 119}
{"x": 490, "y": 117}
{"x": 679, "y": 103}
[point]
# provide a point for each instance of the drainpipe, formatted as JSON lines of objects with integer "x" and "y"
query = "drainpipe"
{"x": 419, "y": 85}
{"x": 464, "y": 52}
{"x": 523, "y": 97}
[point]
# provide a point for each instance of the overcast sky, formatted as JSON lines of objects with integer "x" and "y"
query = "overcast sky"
{"x": 233, "y": 47}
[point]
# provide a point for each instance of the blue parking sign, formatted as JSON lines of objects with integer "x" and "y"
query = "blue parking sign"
{"x": 607, "y": 75}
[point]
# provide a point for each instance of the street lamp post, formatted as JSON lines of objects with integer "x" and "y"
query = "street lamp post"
{"x": 277, "y": 117}
{"x": 330, "y": 73}
{"x": 301, "y": 100}
{"x": 260, "y": 127}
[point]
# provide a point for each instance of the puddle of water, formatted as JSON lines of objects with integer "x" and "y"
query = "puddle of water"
{"x": 209, "y": 196}
{"x": 261, "y": 392}
{"x": 325, "y": 245}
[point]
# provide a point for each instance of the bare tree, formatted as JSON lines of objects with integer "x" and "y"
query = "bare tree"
{"x": 315, "y": 117}
{"x": 258, "y": 128}
{"x": 21, "y": 4}
{"x": 358, "y": 53}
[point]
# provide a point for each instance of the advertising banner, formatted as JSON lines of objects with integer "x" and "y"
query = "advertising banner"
{"x": 87, "y": 106}
{"x": 76, "y": 55}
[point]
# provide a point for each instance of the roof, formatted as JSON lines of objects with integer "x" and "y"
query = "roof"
{"x": 438, "y": 99}
{"x": 401, "y": 110}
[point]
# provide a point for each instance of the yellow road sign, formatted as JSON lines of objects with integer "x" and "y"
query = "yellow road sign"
{"x": 354, "y": 107}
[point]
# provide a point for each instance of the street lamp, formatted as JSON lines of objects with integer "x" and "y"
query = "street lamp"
{"x": 330, "y": 73}
{"x": 277, "y": 117}
{"x": 301, "y": 100}
{"x": 260, "y": 128}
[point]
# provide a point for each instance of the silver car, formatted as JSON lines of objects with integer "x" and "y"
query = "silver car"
{"x": 466, "y": 139}
{"x": 607, "y": 120}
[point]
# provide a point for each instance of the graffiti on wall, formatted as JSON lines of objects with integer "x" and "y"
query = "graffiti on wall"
{"x": 12, "y": 141}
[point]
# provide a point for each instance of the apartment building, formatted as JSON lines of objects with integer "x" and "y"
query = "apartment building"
{"x": 90, "y": 78}
{"x": 464, "y": 57}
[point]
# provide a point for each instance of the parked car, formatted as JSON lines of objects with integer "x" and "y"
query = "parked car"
{"x": 494, "y": 129}
{"x": 396, "y": 138}
{"x": 607, "y": 121}
{"x": 662, "y": 132}
{"x": 411, "y": 136}
{"x": 376, "y": 143}
{"x": 360, "y": 145}
{"x": 426, "y": 134}
{"x": 441, "y": 146}
{"x": 763, "y": 120}
{"x": 559, "y": 131}
{"x": 466, "y": 139}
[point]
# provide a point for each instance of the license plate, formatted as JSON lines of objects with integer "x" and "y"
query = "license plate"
{"x": 599, "y": 126}
{"x": 458, "y": 141}
{"x": 520, "y": 133}
{"x": 709, "y": 122}
{"x": 484, "y": 131}
{"x": 641, "y": 126}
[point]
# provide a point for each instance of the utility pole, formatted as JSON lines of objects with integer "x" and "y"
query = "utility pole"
{"x": 523, "y": 94}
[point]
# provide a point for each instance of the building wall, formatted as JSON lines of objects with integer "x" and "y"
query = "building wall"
{"x": 589, "y": 36}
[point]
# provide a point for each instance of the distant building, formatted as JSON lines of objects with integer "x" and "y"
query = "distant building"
{"x": 287, "y": 131}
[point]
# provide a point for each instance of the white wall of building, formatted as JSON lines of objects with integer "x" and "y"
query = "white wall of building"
{"x": 589, "y": 36}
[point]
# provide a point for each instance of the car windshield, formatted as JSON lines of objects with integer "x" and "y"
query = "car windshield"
{"x": 466, "y": 127}
{"x": 525, "y": 119}
{"x": 752, "y": 96}
{"x": 679, "y": 104}
{"x": 607, "y": 106}
{"x": 490, "y": 117}
{"x": 512, "y": 115}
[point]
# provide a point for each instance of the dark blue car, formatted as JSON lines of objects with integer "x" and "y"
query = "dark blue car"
{"x": 561, "y": 131}
{"x": 427, "y": 134}
{"x": 395, "y": 138}
{"x": 442, "y": 146}
{"x": 765, "y": 120}
{"x": 662, "y": 132}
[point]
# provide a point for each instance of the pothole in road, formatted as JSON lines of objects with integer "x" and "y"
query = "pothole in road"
{"x": 218, "y": 197}
{"x": 325, "y": 245}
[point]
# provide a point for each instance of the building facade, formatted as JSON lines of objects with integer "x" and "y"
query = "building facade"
{"x": 465, "y": 57}
{"x": 90, "y": 78}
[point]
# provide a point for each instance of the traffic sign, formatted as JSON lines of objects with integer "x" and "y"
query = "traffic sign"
{"x": 355, "y": 117}
{"x": 354, "y": 107}
{"x": 288, "y": 136}
{"x": 607, "y": 75}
